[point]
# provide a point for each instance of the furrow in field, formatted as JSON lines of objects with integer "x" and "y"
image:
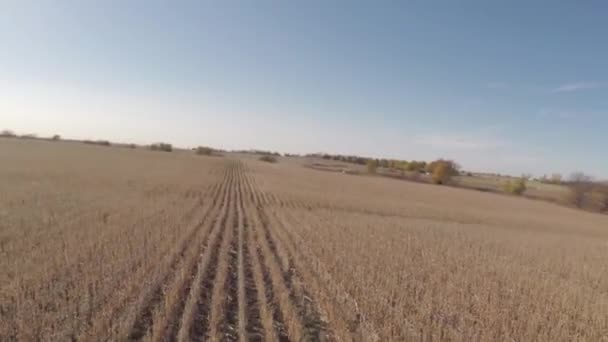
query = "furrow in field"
{"x": 154, "y": 297}
{"x": 215, "y": 200}
{"x": 287, "y": 322}
{"x": 258, "y": 274}
{"x": 247, "y": 191}
{"x": 346, "y": 325}
{"x": 315, "y": 327}
{"x": 224, "y": 301}
{"x": 230, "y": 326}
{"x": 97, "y": 314}
{"x": 276, "y": 200}
{"x": 193, "y": 312}
{"x": 175, "y": 296}
{"x": 243, "y": 319}
{"x": 101, "y": 320}
{"x": 291, "y": 203}
{"x": 255, "y": 188}
{"x": 259, "y": 194}
{"x": 298, "y": 315}
{"x": 349, "y": 322}
{"x": 250, "y": 324}
{"x": 295, "y": 204}
{"x": 252, "y": 194}
{"x": 270, "y": 317}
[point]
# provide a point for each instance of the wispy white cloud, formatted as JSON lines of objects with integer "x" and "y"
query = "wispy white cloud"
{"x": 458, "y": 142}
{"x": 488, "y": 151}
{"x": 558, "y": 114}
{"x": 566, "y": 114}
{"x": 562, "y": 88}
{"x": 498, "y": 85}
{"x": 577, "y": 86}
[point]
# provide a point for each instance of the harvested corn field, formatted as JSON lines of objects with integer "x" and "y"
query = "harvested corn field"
{"x": 102, "y": 243}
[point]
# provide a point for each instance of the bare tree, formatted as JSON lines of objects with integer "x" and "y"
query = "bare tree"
{"x": 556, "y": 178}
{"x": 601, "y": 190}
{"x": 580, "y": 184}
{"x": 580, "y": 177}
{"x": 372, "y": 166}
{"x": 526, "y": 176}
{"x": 7, "y": 133}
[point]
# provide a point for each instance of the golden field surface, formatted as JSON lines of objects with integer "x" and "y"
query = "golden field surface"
{"x": 109, "y": 243}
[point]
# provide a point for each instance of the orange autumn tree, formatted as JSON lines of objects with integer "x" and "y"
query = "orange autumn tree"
{"x": 442, "y": 170}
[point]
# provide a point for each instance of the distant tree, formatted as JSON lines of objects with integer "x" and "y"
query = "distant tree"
{"x": 204, "y": 151}
{"x": 441, "y": 174}
{"x": 7, "y": 133}
{"x": 268, "y": 158}
{"x": 603, "y": 197}
{"x": 403, "y": 164}
{"x": 422, "y": 165}
{"x": 384, "y": 163}
{"x": 97, "y": 142}
{"x": 393, "y": 164}
{"x": 430, "y": 167}
{"x": 580, "y": 185}
{"x": 515, "y": 187}
{"x": 372, "y": 166}
{"x": 442, "y": 170}
{"x": 56, "y": 137}
{"x": 416, "y": 166}
{"x": 361, "y": 160}
{"x": 556, "y": 178}
{"x": 164, "y": 147}
{"x": 411, "y": 166}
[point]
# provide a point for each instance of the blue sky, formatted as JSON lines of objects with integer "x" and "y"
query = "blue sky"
{"x": 510, "y": 86}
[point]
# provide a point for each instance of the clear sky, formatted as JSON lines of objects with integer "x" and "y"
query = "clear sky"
{"x": 508, "y": 86}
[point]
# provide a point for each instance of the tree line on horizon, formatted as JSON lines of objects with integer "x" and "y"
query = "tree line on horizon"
{"x": 584, "y": 191}
{"x": 394, "y": 164}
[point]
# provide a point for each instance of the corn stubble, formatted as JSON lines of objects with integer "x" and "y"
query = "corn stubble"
{"x": 117, "y": 244}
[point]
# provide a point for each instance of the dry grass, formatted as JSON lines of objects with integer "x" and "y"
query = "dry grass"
{"x": 110, "y": 243}
{"x": 433, "y": 263}
{"x": 268, "y": 159}
{"x": 557, "y": 193}
{"x": 84, "y": 227}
